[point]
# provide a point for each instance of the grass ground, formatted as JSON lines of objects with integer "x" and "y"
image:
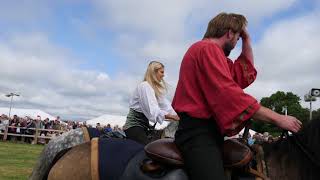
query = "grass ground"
{"x": 17, "y": 160}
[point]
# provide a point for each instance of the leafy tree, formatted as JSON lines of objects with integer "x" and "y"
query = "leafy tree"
{"x": 277, "y": 102}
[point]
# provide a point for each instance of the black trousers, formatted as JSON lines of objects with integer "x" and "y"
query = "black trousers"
{"x": 200, "y": 143}
{"x": 138, "y": 134}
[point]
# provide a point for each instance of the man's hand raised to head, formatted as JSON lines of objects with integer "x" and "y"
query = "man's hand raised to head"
{"x": 246, "y": 44}
{"x": 244, "y": 33}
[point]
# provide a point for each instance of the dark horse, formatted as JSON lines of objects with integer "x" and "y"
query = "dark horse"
{"x": 296, "y": 157}
{"x": 293, "y": 157}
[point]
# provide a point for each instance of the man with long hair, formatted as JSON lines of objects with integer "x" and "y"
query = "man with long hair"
{"x": 210, "y": 99}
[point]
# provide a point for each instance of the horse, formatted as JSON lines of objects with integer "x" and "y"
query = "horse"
{"x": 295, "y": 157}
{"x": 292, "y": 157}
{"x": 60, "y": 144}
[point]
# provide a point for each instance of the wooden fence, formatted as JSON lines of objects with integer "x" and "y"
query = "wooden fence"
{"x": 36, "y": 136}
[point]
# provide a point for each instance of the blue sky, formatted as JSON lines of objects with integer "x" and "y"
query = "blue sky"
{"x": 81, "y": 59}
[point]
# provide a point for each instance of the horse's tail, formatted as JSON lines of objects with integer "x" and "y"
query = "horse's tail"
{"x": 52, "y": 150}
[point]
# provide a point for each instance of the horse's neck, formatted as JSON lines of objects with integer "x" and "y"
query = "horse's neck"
{"x": 282, "y": 161}
{"x": 297, "y": 156}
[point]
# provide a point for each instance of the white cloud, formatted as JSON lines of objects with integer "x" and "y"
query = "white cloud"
{"x": 46, "y": 77}
{"x": 24, "y": 12}
{"x": 256, "y": 11}
{"x": 164, "y": 29}
{"x": 287, "y": 57}
{"x": 169, "y": 18}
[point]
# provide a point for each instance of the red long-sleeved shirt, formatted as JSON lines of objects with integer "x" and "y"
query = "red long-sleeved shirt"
{"x": 210, "y": 86}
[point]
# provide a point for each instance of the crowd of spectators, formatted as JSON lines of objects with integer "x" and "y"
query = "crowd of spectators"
{"x": 27, "y": 126}
{"x": 107, "y": 128}
{"x": 259, "y": 138}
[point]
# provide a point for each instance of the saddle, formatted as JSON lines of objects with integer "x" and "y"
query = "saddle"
{"x": 235, "y": 154}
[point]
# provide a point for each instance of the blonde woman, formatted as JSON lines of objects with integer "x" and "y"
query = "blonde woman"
{"x": 148, "y": 104}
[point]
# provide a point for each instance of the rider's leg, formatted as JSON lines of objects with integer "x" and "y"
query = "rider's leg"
{"x": 200, "y": 144}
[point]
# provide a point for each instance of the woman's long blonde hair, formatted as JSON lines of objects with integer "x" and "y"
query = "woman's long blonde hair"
{"x": 159, "y": 87}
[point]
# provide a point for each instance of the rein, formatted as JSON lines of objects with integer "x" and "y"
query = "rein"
{"x": 262, "y": 169}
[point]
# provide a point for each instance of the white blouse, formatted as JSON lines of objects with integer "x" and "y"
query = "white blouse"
{"x": 144, "y": 100}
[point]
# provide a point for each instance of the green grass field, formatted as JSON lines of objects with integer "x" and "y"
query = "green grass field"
{"x": 17, "y": 160}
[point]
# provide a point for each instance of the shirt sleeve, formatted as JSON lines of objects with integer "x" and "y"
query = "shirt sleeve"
{"x": 149, "y": 104}
{"x": 242, "y": 71}
{"x": 165, "y": 105}
{"x": 225, "y": 97}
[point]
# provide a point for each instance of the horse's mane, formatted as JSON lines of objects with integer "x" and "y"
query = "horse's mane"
{"x": 300, "y": 150}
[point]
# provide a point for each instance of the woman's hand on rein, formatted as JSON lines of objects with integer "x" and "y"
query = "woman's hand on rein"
{"x": 172, "y": 117}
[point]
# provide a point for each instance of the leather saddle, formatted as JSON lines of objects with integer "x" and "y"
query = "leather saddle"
{"x": 165, "y": 151}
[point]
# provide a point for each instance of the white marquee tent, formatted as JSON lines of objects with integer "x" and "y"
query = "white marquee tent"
{"x": 115, "y": 120}
{"x": 108, "y": 119}
{"x": 32, "y": 113}
{"x": 251, "y": 132}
